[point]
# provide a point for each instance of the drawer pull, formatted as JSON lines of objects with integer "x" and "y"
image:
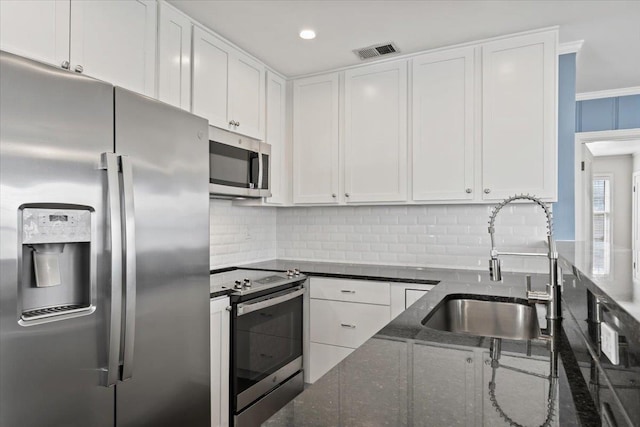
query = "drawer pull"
{"x": 347, "y": 291}
{"x": 346, "y": 325}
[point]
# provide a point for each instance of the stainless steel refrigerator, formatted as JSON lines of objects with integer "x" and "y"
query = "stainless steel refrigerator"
{"x": 104, "y": 254}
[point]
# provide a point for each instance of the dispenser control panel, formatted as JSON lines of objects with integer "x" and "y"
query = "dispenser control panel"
{"x": 55, "y": 226}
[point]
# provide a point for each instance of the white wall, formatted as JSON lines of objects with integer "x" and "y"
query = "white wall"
{"x": 453, "y": 236}
{"x": 240, "y": 234}
{"x": 622, "y": 168}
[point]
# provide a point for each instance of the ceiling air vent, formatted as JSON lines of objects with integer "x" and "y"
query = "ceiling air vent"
{"x": 376, "y": 50}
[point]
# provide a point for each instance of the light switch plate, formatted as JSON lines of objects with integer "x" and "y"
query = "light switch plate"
{"x": 609, "y": 343}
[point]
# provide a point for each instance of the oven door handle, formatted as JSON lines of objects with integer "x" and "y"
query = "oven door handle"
{"x": 250, "y": 307}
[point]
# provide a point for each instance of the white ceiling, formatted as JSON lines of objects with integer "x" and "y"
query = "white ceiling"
{"x": 614, "y": 148}
{"x": 610, "y": 57}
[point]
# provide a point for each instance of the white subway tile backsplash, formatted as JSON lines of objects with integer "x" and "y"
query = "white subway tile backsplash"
{"x": 239, "y": 234}
{"x": 436, "y": 236}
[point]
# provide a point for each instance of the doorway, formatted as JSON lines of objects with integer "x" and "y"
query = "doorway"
{"x": 607, "y": 179}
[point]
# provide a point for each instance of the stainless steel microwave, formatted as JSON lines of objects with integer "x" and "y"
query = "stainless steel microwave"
{"x": 238, "y": 165}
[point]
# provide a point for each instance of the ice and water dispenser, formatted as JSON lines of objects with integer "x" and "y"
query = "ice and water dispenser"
{"x": 57, "y": 263}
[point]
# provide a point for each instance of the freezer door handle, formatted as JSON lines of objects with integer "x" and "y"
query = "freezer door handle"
{"x": 130, "y": 267}
{"x": 109, "y": 162}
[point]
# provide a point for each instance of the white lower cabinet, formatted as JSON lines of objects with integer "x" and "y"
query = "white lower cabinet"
{"x": 403, "y": 295}
{"x": 343, "y": 314}
{"x": 323, "y": 357}
{"x": 220, "y": 324}
{"x": 439, "y": 375}
{"x": 346, "y": 324}
{"x": 512, "y": 387}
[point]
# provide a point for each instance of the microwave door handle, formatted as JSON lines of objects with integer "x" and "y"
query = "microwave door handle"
{"x": 109, "y": 162}
{"x": 130, "y": 267}
{"x": 260, "y": 170}
{"x": 250, "y": 307}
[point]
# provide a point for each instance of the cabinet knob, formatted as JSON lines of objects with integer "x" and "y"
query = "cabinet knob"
{"x": 346, "y": 194}
{"x": 65, "y": 65}
{"x": 333, "y": 195}
{"x": 468, "y": 191}
{"x": 79, "y": 69}
{"x": 228, "y": 308}
{"x": 487, "y": 190}
{"x": 232, "y": 123}
{"x": 237, "y": 123}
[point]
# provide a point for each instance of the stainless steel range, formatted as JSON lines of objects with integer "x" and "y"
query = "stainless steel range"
{"x": 266, "y": 343}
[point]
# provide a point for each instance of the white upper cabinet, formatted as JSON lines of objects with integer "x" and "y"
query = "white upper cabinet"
{"x": 443, "y": 125}
{"x": 375, "y": 123}
{"x": 519, "y": 116}
{"x": 210, "y": 71}
{"x": 174, "y": 57}
{"x": 276, "y": 118}
{"x": 228, "y": 87}
{"x": 247, "y": 95}
{"x": 36, "y": 29}
{"x": 115, "y": 41}
{"x": 316, "y": 139}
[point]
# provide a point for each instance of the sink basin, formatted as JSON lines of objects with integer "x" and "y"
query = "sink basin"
{"x": 500, "y": 317}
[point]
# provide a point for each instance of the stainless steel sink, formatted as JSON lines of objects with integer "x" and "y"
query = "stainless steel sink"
{"x": 499, "y": 317}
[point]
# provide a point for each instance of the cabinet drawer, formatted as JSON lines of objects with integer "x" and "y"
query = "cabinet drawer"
{"x": 323, "y": 357}
{"x": 346, "y": 324}
{"x": 364, "y": 291}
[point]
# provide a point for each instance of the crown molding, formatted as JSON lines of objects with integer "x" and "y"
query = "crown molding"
{"x": 610, "y": 93}
{"x": 570, "y": 47}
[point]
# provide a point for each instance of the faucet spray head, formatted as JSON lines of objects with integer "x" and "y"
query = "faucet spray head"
{"x": 495, "y": 269}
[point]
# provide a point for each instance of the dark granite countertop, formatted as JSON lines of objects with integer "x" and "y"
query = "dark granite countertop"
{"x": 614, "y": 286}
{"x": 381, "y": 273}
{"x": 409, "y": 375}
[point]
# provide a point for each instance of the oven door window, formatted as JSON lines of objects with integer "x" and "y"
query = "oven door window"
{"x": 267, "y": 340}
{"x": 232, "y": 166}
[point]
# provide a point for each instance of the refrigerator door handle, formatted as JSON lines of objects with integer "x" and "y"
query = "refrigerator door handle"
{"x": 109, "y": 162}
{"x": 130, "y": 267}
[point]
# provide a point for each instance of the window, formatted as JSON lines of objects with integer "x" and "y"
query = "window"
{"x": 602, "y": 223}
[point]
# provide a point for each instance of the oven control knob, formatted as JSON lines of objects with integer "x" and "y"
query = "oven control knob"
{"x": 290, "y": 273}
{"x": 238, "y": 285}
{"x": 247, "y": 283}
{"x": 296, "y": 272}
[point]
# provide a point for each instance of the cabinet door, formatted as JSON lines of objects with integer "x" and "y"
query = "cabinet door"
{"x": 276, "y": 116}
{"x": 220, "y": 330}
{"x": 115, "y": 41}
{"x": 452, "y": 401}
{"x": 376, "y": 133}
{"x": 174, "y": 57}
{"x": 519, "y": 116}
{"x": 323, "y": 358}
{"x": 246, "y": 95}
{"x": 443, "y": 125}
{"x": 530, "y": 384}
{"x": 36, "y": 29}
{"x": 404, "y": 295}
{"x": 210, "y": 75}
{"x": 316, "y": 139}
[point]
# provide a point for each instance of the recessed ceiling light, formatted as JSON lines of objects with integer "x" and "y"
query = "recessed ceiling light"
{"x": 307, "y": 34}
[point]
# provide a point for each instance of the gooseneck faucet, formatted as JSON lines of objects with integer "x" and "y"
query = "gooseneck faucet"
{"x": 552, "y": 295}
